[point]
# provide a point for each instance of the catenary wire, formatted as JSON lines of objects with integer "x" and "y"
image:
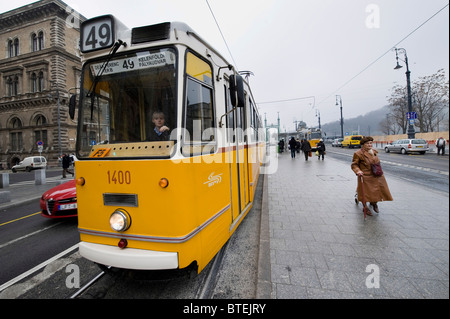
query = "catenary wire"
{"x": 223, "y": 37}
{"x": 368, "y": 66}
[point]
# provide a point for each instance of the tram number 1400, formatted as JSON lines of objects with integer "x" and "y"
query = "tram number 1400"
{"x": 119, "y": 177}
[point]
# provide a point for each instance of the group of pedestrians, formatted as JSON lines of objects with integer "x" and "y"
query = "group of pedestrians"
{"x": 365, "y": 164}
{"x": 296, "y": 145}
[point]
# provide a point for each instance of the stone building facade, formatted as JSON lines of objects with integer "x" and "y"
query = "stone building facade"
{"x": 39, "y": 68}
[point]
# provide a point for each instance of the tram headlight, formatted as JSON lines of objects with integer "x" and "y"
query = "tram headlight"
{"x": 120, "y": 220}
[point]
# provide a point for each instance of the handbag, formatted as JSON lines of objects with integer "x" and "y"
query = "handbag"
{"x": 310, "y": 154}
{"x": 376, "y": 169}
{"x": 317, "y": 153}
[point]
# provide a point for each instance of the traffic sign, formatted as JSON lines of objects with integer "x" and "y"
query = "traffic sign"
{"x": 40, "y": 143}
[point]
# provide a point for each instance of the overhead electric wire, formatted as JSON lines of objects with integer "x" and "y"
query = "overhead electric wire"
{"x": 368, "y": 66}
{"x": 223, "y": 37}
{"x": 380, "y": 57}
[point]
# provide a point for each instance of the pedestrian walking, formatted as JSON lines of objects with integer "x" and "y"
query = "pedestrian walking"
{"x": 281, "y": 146}
{"x": 292, "y": 145}
{"x": 66, "y": 164}
{"x": 306, "y": 148}
{"x": 297, "y": 145}
{"x": 366, "y": 163}
{"x": 440, "y": 144}
{"x": 321, "y": 149}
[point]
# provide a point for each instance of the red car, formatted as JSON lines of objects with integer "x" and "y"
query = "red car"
{"x": 60, "y": 201}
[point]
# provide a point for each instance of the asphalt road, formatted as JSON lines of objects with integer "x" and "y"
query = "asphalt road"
{"x": 428, "y": 170}
{"x": 28, "y": 239}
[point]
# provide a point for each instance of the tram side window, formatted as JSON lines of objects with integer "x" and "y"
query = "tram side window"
{"x": 199, "y": 120}
{"x": 199, "y": 112}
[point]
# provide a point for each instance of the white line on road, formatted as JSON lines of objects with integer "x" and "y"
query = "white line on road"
{"x": 38, "y": 267}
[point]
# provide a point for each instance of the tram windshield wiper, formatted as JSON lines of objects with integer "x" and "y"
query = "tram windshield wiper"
{"x": 91, "y": 92}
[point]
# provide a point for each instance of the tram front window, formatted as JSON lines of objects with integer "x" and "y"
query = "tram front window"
{"x": 316, "y": 135}
{"x": 120, "y": 101}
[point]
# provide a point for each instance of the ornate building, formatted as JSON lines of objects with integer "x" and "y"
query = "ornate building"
{"x": 39, "y": 67}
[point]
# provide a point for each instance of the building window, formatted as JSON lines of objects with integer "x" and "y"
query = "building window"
{"x": 15, "y": 123}
{"x": 13, "y": 48}
{"x": 40, "y": 82}
{"x": 40, "y": 134}
{"x": 16, "y": 139}
{"x": 33, "y": 82}
{"x": 16, "y": 47}
{"x": 37, "y": 41}
{"x": 37, "y": 82}
{"x": 41, "y": 40}
{"x": 15, "y": 86}
{"x": 12, "y": 85}
{"x": 10, "y": 49}
{"x": 9, "y": 86}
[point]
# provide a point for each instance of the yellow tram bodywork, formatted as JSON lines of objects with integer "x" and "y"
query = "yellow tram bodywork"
{"x": 207, "y": 196}
{"x": 192, "y": 217}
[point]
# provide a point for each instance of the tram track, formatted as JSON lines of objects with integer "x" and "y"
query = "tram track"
{"x": 207, "y": 280}
{"x": 89, "y": 284}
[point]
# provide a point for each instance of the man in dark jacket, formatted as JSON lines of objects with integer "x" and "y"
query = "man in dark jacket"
{"x": 66, "y": 164}
{"x": 306, "y": 148}
{"x": 292, "y": 145}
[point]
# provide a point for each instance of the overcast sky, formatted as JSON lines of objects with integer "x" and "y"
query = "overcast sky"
{"x": 305, "y": 51}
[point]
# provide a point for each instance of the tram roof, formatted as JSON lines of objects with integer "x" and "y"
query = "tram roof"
{"x": 155, "y": 33}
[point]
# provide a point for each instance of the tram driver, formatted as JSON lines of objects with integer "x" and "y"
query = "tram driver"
{"x": 161, "y": 131}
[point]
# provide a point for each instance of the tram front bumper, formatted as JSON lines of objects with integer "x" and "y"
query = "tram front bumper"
{"x": 128, "y": 258}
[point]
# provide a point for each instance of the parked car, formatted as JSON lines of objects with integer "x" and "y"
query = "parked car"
{"x": 60, "y": 201}
{"x": 337, "y": 142}
{"x": 30, "y": 163}
{"x": 404, "y": 146}
{"x": 351, "y": 141}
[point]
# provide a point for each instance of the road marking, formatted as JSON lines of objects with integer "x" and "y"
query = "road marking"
{"x": 12, "y": 221}
{"x": 30, "y": 234}
{"x": 432, "y": 170}
{"x": 38, "y": 267}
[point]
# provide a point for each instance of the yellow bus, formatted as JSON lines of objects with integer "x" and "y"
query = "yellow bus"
{"x": 170, "y": 145}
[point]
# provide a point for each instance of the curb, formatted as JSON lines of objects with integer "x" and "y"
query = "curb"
{"x": 264, "y": 284}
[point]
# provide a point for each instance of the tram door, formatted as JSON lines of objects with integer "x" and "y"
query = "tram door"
{"x": 239, "y": 161}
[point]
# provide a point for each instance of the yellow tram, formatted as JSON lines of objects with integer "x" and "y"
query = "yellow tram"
{"x": 152, "y": 195}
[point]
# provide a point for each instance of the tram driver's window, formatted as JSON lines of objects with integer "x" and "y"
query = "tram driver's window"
{"x": 199, "y": 112}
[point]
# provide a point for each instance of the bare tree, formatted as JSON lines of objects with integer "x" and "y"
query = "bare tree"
{"x": 430, "y": 102}
{"x": 431, "y": 97}
{"x": 398, "y": 106}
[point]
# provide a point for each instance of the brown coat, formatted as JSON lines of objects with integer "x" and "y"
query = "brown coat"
{"x": 375, "y": 187}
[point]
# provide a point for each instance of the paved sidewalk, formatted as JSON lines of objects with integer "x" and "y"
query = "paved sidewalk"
{"x": 321, "y": 247}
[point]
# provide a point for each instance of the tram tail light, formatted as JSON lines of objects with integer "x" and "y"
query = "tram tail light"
{"x": 123, "y": 243}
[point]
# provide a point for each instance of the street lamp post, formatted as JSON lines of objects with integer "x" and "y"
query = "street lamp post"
{"x": 342, "y": 119}
{"x": 411, "y": 132}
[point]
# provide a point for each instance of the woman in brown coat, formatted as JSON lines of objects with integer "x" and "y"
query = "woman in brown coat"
{"x": 375, "y": 187}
